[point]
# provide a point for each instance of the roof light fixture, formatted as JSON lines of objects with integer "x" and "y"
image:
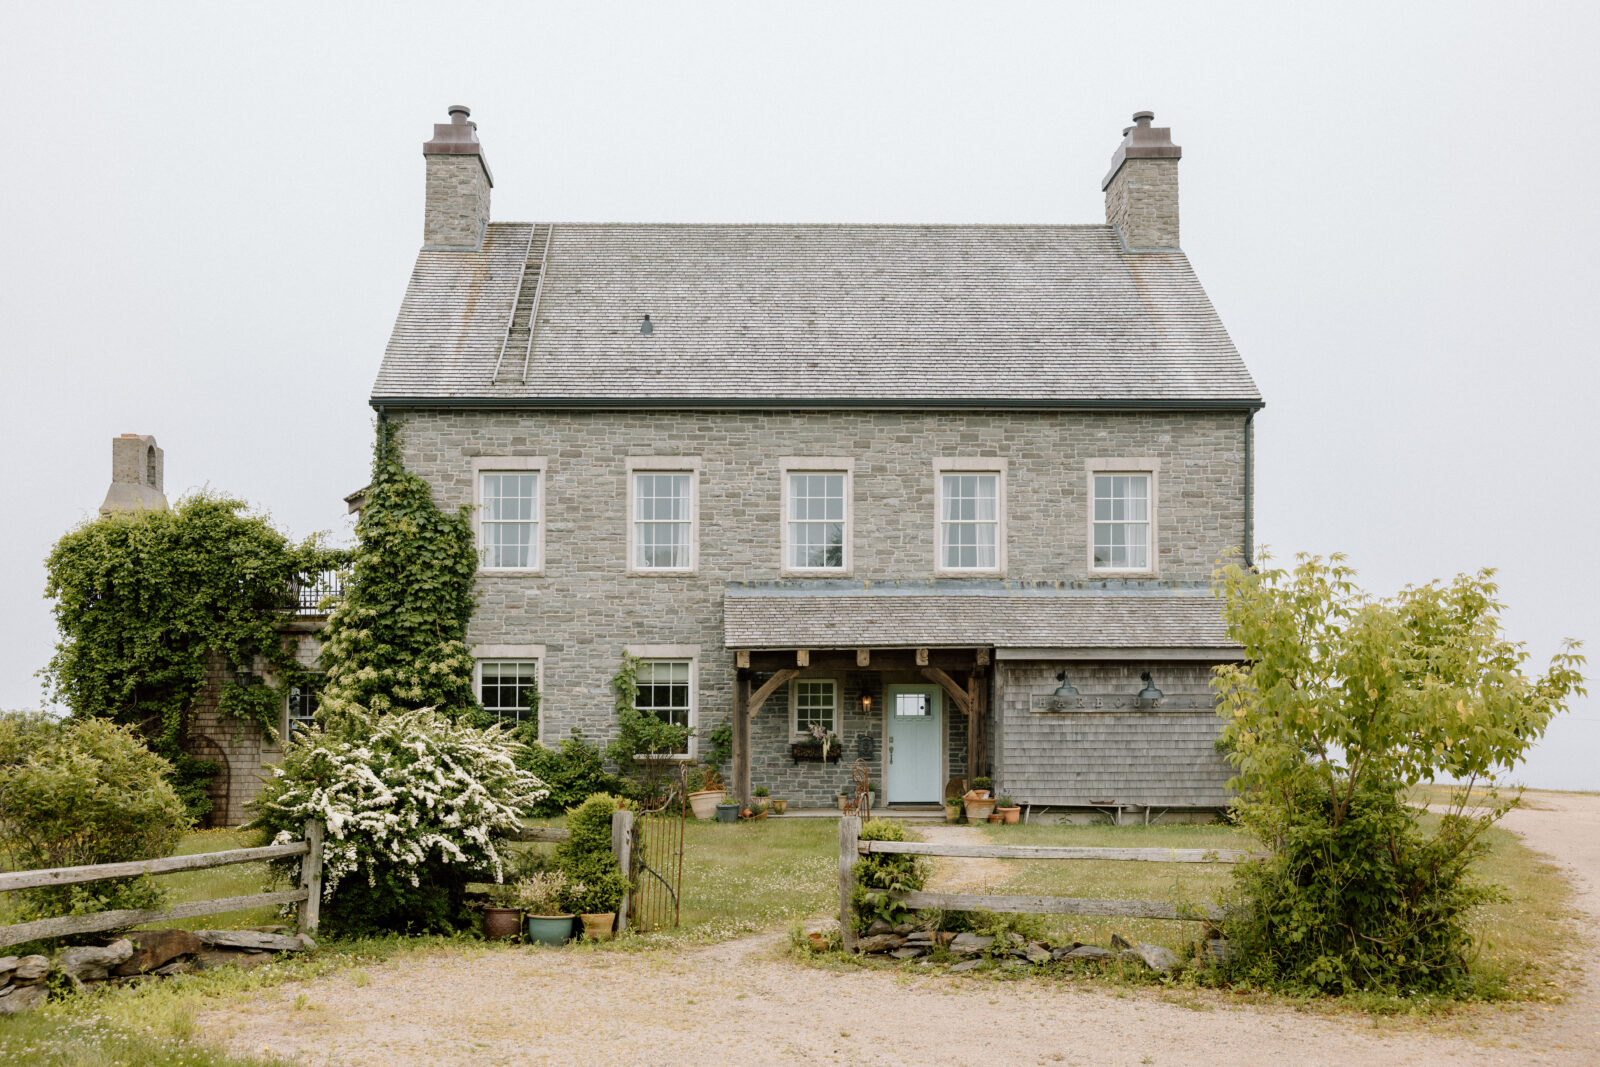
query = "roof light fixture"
{"x": 1066, "y": 688}
{"x": 1149, "y": 694}
{"x": 645, "y": 327}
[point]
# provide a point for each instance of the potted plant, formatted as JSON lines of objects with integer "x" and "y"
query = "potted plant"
{"x": 596, "y": 902}
{"x": 543, "y": 896}
{"x": 982, "y": 786}
{"x": 1009, "y": 810}
{"x": 761, "y": 802}
{"x": 780, "y": 805}
{"x": 979, "y": 804}
{"x": 728, "y": 809}
{"x": 845, "y": 796}
{"x": 706, "y": 792}
{"x": 821, "y": 745}
{"x": 952, "y": 809}
{"x": 501, "y": 917}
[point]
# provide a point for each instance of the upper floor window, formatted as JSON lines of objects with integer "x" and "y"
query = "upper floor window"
{"x": 302, "y": 711}
{"x": 661, "y": 507}
{"x": 509, "y": 689}
{"x": 510, "y": 515}
{"x": 971, "y": 516}
{"x": 666, "y": 690}
{"x": 814, "y": 702}
{"x": 817, "y": 513}
{"x": 1122, "y": 514}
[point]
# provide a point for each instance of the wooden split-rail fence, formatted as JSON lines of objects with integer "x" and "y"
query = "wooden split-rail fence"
{"x": 308, "y": 897}
{"x": 852, "y": 848}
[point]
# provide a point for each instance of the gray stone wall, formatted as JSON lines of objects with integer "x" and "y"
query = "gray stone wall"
{"x": 586, "y": 607}
{"x": 1103, "y": 747}
{"x": 457, "y": 201}
{"x": 1142, "y": 203}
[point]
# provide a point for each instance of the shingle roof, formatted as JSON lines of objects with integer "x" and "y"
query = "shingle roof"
{"x": 764, "y": 313}
{"x": 767, "y": 620}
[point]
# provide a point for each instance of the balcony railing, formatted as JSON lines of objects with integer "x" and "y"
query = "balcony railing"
{"x": 311, "y": 591}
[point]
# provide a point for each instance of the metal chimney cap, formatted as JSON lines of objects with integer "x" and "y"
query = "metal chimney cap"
{"x": 1143, "y": 118}
{"x": 459, "y": 113}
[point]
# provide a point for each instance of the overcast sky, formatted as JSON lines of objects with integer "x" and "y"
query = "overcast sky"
{"x": 210, "y": 211}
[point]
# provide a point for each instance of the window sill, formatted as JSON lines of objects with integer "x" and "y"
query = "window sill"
{"x": 509, "y": 572}
{"x": 659, "y": 572}
{"x": 815, "y": 572}
{"x": 969, "y": 572}
{"x": 1107, "y": 572}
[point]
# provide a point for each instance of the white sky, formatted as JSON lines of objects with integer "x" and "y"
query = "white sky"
{"x": 208, "y": 213}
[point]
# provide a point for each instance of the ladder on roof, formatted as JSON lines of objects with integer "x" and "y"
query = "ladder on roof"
{"x": 516, "y": 348}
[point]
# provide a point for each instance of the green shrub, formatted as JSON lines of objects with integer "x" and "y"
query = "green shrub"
{"x": 83, "y": 792}
{"x": 880, "y": 873}
{"x": 594, "y": 884}
{"x": 416, "y": 805}
{"x": 572, "y": 772}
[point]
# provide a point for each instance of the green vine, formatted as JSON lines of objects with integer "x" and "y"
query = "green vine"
{"x": 644, "y": 741}
{"x": 146, "y": 602}
{"x": 397, "y": 640}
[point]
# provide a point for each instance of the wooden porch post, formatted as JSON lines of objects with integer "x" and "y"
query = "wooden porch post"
{"x": 741, "y": 738}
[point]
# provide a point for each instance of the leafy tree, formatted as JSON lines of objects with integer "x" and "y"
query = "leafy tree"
{"x": 573, "y": 771}
{"x": 82, "y": 792}
{"x": 1344, "y": 702}
{"x": 397, "y": 638}
{"x": 146, "y": 601}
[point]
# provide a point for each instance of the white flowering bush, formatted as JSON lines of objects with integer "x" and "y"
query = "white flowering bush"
{"x": 415, "y": 805}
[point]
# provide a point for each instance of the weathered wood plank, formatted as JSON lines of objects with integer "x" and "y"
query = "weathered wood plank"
{"x": 849, "y": 839}
{"x": 759, "y": 697}
{"x": 539, "y": 833}
{"x": 622, "y": 849}
{"x": 741, "y": 738}
{"x": 165, "y": 865}
{"x": 1048, "y": 852}
{"x": 311, "y": 878}
{"x": 1126, "y": 909}
{"x": 116, "y": 920}
{"x": 958, "y": 696}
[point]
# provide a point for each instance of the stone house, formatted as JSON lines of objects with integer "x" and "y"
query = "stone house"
{"x": 953, "y": 493}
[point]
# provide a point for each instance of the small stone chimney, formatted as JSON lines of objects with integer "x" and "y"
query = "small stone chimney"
{"x": 458, "y": 185}
{"x": 1142, "y": 187}
{"x": 137, "y": 475}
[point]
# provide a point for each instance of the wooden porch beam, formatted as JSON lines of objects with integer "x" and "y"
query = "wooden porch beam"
{"x": 741, "y": 660}
{"x": 922, "y": 657}
{"x": 959, "y": 696}
{"x": 759, "y": 697}
{"x": 802, "y": 657}
{"x": 863, "y": 657}
{"x": 741, "y": 739}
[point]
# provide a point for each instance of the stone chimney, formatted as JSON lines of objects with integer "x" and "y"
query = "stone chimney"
{"x": 137, "y": 475}
{"x": 458, "y": 185}
{"x": 1142, "y": 187}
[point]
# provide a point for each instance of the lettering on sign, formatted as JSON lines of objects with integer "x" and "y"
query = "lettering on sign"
{"x": 1050, "y": 704}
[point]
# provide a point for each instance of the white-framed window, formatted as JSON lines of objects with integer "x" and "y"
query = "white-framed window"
{"x": 813, "y": 702}
{"x": 509, "y": 682}
{"x": 663, "y": 511}
{"x": 971, "y": 495}
{"x": 509, "y": 493}
{"x": 667, "y": 691}
{"x": 1122, "y": 515}
{"x": 818, "y": 510}
{"x": 300, "y": 710}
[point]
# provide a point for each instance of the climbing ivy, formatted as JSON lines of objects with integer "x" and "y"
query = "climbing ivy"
{"x": 397, "y": 638}
{"x": 145, "y": 600}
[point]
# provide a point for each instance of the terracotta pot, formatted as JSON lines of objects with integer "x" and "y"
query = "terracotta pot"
{"x": 978, "y": 808}
{"x": 952, "y": 813}
{"x": 704, "y": 803}
{"x": 996, "y": 817}
{"x": 1011, "y": 815}
{"x": 779, "y": 805}
{"x": 549, "y": 929}
{"x": 500, "y": 924}
{"x": 597, "y": 926}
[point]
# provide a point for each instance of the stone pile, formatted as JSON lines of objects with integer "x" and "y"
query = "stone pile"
{"x": 142, "y": 954}
{"x": 909, "y": 942}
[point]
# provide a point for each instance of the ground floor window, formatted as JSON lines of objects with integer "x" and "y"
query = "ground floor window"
{"x": 509, "y": 689}
{"x": 666, "y": 691}
{"x": 302, "y": 710}
{"x": 815, "y": 702}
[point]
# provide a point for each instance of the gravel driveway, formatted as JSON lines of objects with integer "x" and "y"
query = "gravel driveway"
{"x": 742, "y": 1003}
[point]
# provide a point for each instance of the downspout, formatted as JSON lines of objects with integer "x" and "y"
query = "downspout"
{"x": 1249, "y": 490}
{"x": 383, "y": 447}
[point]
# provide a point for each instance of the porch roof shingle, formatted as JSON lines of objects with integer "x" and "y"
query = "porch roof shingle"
{"x": 1055, "y": 619}
{"x": 764, "y": 314}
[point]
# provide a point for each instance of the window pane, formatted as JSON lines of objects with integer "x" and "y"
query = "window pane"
{"x": 508, "y": 688}
{"x": 664, "y": 691}
{"x": 969, "y": 527}
{"x": 911, "y": 705}
{"x": 509, "y": 520}
{"x": 663, "y": 516}
{"x": 816, "y": 521}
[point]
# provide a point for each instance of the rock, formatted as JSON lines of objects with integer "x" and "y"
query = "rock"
{"x": 904, "y": 928}
{"x": 249, "y": 939}
{"x": 819, "y": 942}
{"x": 880, "y": 943}
{"x": 31, "y": 969}
{"x": 943, "y": 937}
{"x": 1015, "y": 965}
{"x": 880, "y": 926}
{"x": 1158, "y": 959}
{"x": 7, "y": 965}
{"x": 908, "y": 953}
{"x": 966, "y": 965}
{"x": 207, "y": 958}
{"x": 270, "y": 929}
{"x": 175, "y": 967}
{"x": 920, "y": 937}
{"x": 87, "y": 963}
{"x": 1119, "y": 943}
{"x": 1216, "y": 949}
{"x": 1061, "y": 950}
{"x": 17, "y": 998}
{"x": 1037, "y": 953}
{"x": 967, "y": 944}
{"x": 154, "y": 948}
{"x": 1088, "y": 952}
{"x": 306, "y": 943}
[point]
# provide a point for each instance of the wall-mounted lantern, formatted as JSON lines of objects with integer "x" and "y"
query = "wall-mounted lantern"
{"x": 1066, "y": 688}
{"x": 1149, "y": 694}
{"x": 866, "y": 703}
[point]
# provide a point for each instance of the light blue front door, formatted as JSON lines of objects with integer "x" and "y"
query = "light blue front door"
{"x": 912, "y": 770}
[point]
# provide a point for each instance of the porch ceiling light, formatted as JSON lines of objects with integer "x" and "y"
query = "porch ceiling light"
{"x": 1149, "y": 694}
{"x": 1065, "y": 689}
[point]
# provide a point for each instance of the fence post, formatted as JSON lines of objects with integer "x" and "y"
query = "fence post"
{"x": 311, "y": 878}
{"x": 622, "y": 848}
{"x": 849, "y": 834}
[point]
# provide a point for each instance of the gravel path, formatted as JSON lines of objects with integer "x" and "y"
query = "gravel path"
{"x": 742, "y": 1003}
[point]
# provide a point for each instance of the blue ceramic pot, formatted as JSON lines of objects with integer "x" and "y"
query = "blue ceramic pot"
{"x": 549, "y": 929}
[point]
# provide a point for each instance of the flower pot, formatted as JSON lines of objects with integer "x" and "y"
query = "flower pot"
{"x": 704, "y": 803}
{"x": 978, "y": 808}
{"x": 500, "y": 924}
{"x": 844, "y": 801}
{"x": 597, "y": 926}
{"x": 996, "y": 817}
{"x": 727, "y": 812}
{"x": 1010, "y": 815}
{"x": 549, "y": 929}
{"x": 952, "y": 813}
{"x": 779, "y": 805}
